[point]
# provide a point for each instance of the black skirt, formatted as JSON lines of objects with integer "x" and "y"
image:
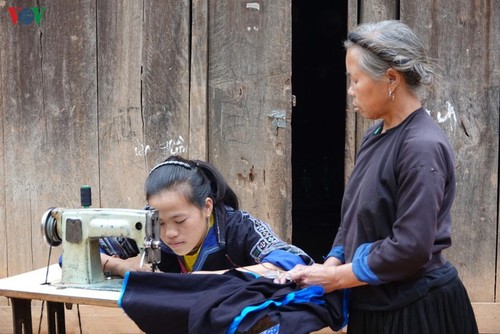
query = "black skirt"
{"x": 444, "y": 310}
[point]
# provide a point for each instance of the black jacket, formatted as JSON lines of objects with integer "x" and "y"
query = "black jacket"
{"x": 236, "y": 240}
{"x": 212, "y": 304}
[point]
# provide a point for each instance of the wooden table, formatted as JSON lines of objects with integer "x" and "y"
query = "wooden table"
{"x": 23, "y": 288}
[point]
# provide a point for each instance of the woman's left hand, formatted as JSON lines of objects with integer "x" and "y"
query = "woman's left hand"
{"x": 316, "y": 274}
{"x": 329, "y": 276}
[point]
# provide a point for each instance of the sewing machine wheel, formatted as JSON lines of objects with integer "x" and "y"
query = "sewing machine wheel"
{"x": 49, "y": 229}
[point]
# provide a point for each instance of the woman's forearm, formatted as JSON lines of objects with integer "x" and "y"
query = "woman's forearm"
{"x": 114, "y": 266}
{"x": 344, "y": 277}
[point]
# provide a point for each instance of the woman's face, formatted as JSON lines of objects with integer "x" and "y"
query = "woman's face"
{"x": 369, "y": 96}
{"x": 183, "y": 224}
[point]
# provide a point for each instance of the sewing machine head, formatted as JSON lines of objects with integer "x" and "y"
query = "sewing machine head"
{"x": 79, "y": 230}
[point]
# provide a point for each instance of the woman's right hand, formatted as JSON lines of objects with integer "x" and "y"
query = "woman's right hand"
{"x": 118, "y": 267}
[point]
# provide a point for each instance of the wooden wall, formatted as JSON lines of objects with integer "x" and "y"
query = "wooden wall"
{"x": 96, "y": 94}
{"x": 249, "y": 81}
{"x": 100, "y": 91}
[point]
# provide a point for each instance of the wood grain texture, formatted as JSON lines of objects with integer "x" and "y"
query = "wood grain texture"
{"x": 22, "y": 114}
{"x": 493, "y": 72}
{"x": 249, "y": 79}
{"x": 198, "y": 103}
{"x": 165, "y": 78}
{"x": 68, "y": 156}
{"x": 49, "y": 122}
{"x": 122, "y": 147}
{"x": 377, "y": 10}
{"x": 466, "y": 104}
{"x": 4, "y": 40}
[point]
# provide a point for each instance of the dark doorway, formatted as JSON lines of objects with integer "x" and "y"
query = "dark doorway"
{"x": 318, "y": 122}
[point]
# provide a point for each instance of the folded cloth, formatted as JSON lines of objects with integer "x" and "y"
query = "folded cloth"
{"x": 230, "y": 303}
{"x": 119, "y": 246}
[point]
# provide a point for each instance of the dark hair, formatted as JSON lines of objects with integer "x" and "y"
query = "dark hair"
{"x": 197, "y": 179}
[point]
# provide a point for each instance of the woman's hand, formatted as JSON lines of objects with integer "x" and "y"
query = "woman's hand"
{"x": 316, "y": 274}
{"x": 332, "y": 275}
{"x": 118, "y": 267}
{"x": 300, "y": 274}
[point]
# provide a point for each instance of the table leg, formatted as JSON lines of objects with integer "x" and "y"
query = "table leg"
{"x": 55, "y": 318}
{"x": 21, "y": 314}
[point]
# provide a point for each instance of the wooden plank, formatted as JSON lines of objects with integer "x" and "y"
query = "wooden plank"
{"x": 22, "y": 112}
{"x": 165, "y": 78}
{"x": 67, "y": 143}
{"x": 494, "y": 64}
{"x": 377, "y": 10}
{"x": 122, "y": 150}
{"x": 249, "y": 80}
{"x": 69, "y": 102}
{"x": 48, "y": 122}
{"x": 488, "y": 317}
{"x": 198, "y": 108}
{"x": 4, "y": 38}
{"x": 465, "y": 103}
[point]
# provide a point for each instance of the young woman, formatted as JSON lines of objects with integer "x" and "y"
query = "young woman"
{"x": 202, "y": 228}
{"x": 395, "y": 218}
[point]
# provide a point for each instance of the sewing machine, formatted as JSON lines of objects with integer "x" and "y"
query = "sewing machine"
{"x": 79, "y": 230}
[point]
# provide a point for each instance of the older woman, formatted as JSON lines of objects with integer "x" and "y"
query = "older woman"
{"x": 396, "y": 218}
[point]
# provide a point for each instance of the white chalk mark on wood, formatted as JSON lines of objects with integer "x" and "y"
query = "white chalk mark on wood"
{"x": 174, "y": 146}
{"x": 253, "y": 5}
{"x": 450, "y": 116}
{"x": 171, "y": 147}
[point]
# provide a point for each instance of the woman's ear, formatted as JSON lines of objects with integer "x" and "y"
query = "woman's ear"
{"x": 393, "y": 76}
{"x": 209, "y": 206}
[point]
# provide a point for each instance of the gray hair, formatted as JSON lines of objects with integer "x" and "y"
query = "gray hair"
{"x": 392, "y": 44}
